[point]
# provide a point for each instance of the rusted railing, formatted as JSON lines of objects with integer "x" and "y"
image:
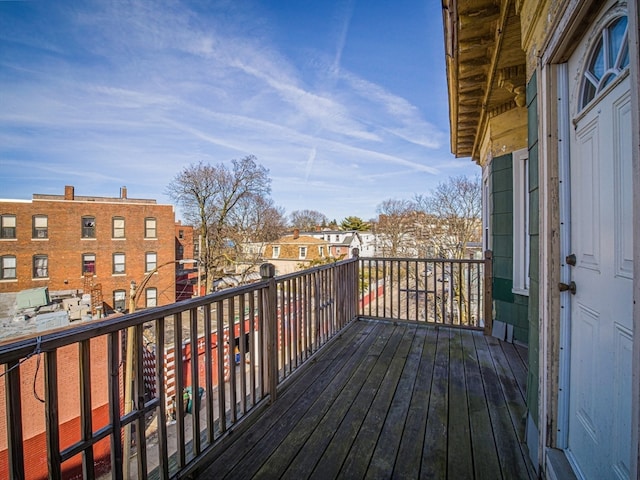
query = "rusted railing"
{"x": 439, "y": 291}
{"x": 200, "y": 365}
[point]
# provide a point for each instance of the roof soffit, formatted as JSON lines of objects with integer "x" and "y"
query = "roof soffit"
{"x": 485, "y": 67}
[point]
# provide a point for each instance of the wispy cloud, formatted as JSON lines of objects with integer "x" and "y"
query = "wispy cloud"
{"x": 101, "y": 91}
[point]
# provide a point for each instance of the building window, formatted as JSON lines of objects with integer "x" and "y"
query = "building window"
{"x": 608, "y": 59}
{"x": 521, "y": 222}
{"x": 118, "y": 263}
{"x": 88, "y": 263}
{"x": 276, "y": 251}
{"x": 150, "y": 261}
{"x": 179, "y": 252}
{"x": 40, "y": 266}
{"x": 180, "y": 234}
{"x": 302, "y": 251}
{"x": 119, "y": 300}
{"x": 8, "y": 226}
{"x": 321, "y": 251}
{"x": 88, "y": 227}
{"x": 7, "y": 267}
{"x": 118, "y": 227}
{"x": 151, "y": 297}
{"x": 40, "y": 226}
{"x": 150, "y": 228}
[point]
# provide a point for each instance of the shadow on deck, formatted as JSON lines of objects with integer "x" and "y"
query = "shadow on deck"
{"x": 390, "y": 400}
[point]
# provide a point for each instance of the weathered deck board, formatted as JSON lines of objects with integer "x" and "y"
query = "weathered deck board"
{"x": 392, "y": 401}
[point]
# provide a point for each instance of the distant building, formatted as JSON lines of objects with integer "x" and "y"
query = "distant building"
{"x": 295, "y": 252}
{"x": 88, "y": 244}
{"x": 187, "y": 248}
{"x": 342, "y": 242}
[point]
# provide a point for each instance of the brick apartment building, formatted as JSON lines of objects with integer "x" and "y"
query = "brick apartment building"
{"x": 65, "y": 241}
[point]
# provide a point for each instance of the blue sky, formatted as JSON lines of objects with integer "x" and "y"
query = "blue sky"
{"x": 343, "y": 101}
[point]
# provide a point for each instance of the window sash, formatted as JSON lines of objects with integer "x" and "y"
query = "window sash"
{"x": 8, "y": 226}
{"x": 151, "y": 297}
{"x": 150, "y": 228}
{"x": 151, "y": 261}
{"x": 40, "y": 266}
{"x": 118, "y": 228}
{"x": 119, "y": 300}
{"x": 88, "y": 227}
{"x": 40, "y": 226}
{"x": 8, "y": 268}
{"x": 89, "y": 264}
{"x": 118, "y": 263}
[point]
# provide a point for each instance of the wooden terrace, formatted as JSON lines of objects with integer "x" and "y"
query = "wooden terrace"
{"x": 366, "y": 368}
{"x": 391, "y": 400}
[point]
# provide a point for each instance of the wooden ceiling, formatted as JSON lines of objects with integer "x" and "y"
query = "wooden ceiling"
{"x": 486, "y": 70}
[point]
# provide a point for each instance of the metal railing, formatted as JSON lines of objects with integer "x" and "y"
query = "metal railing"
{"x": 200, "y": 365}
{"x": 452, "y": 292}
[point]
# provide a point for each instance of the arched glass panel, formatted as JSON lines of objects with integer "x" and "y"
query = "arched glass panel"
{"x": 610, "y": 56}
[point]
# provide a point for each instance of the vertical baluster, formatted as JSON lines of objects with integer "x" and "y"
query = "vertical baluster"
{"x": 141, "y": 443}
{"x": 84, "y": 352}
{"x": 162, "y": 397}
{"x": 195, "y": 380}
{"x": 13, "y": 419}
{"x": 208, "y": 372}
{"x": 180, "y": 404}
{"x": 222, "y": 380}
{"x": 231, "y": 313}
{"x": 243, "y": 352}
{"x": 114, "y": 404}
{"x": 51, "y": 414}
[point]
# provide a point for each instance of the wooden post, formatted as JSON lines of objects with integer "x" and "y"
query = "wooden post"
{"x": 268, "y": 272}
{"x": 488, "y": 292}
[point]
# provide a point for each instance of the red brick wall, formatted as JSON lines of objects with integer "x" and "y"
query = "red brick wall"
{"x": 65, "y": 247}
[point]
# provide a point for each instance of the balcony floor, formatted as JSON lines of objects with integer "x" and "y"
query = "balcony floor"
{"x": 401, "y": 401}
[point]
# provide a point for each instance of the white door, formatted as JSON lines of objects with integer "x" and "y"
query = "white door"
{"x": 599, "y": 434}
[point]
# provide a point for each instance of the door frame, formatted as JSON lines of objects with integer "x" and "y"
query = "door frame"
{"x": 554, "y": 310}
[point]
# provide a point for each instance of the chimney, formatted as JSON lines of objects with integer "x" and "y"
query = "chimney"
{"x": 123, "y": 192}
{"x": 68, "y": 192}
{"x": 296, "y": 233}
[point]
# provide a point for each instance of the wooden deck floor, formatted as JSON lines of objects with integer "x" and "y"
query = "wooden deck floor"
{"x": 393, "y": 401}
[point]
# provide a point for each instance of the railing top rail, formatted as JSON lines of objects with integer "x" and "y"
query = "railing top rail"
{"x": 14, "y": 349}
{"x": 308, "y": 271}
{"x": 424, "y": 260}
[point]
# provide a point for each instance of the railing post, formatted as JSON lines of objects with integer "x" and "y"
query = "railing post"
{"x": 268, "y": 272}
{"x": 356, "y": 283}
{"x": 488, "y": 292}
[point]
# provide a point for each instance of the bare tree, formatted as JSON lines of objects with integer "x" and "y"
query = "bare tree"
{"x": 254, "y": 223}
{"x": 208, "y": 196}
{"x": 394, "y": 227}
{"x": 307, "y": 219}
{"x": 450, "y": 218}
{"x": 451, "y": 221}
